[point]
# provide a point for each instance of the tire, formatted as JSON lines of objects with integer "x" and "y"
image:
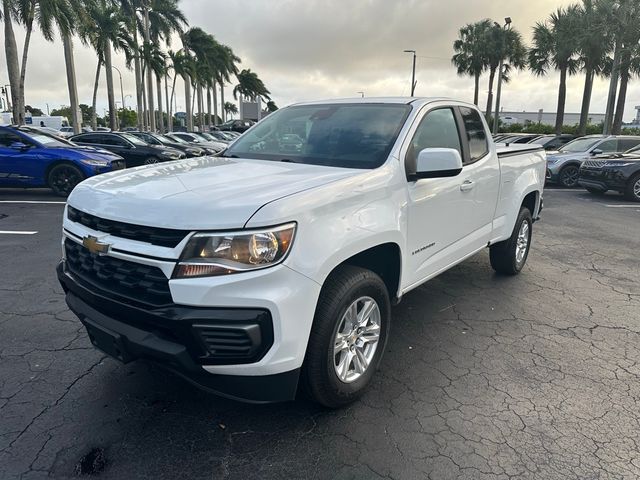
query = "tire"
{"x": 507, "y": 257}
{"x": 568, "y": 176}
{"x": 329, "y": 350}
{"x": 63, "y": 178}
{"x": 632, "y": 191}
{"x": 151, "y": 161}
{"x": 595, "y": 191}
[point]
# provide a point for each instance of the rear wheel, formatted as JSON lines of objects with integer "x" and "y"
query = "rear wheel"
{"x": 568, "y": 176}
{"x": 63, "y": 178}
{"x": 348, "y": 336}
{"x": 632, "y": 192}
{"x": 151, "y": 160}
{"x": 509, "y": 257}
{"x": 595, "y": 191}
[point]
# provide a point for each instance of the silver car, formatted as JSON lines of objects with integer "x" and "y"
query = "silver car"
{"x": 563, "y": 165}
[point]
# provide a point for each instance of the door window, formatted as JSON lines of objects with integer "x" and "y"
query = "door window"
{"x": 8, "y": 138}
{"x": 438, "y": 129}
{"x": 625, "y": 144}
{"x": 476, "y": 134}
{"x": 608, "y": 146}
{"x": 87, "y": 139}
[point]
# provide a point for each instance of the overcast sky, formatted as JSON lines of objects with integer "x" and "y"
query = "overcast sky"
{"x": 312, "y": 49}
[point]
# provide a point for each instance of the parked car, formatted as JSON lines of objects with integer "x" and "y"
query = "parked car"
{"x": 103, "y": 129}
{"x": 219, "y": 136}
{"x": 518, "y": 138}
{"x": 618, "y": 172}
{"x": 563, "y": 166}
{"x": 66, "y": 132}
{"x": 160, "y": 140}
{"x": 553, "y": 142}
{"x": 129, "y": 129}
{"x": 194, "y": 139}
{"x": 135, "y": 151}
{"x": 240, "y": 126}
{"x": 268, "y": 269}
{"x": 32, "y": 158}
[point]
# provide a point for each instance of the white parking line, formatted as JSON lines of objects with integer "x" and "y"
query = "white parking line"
{"x": 33, "y": 201}
{"x": 12, "y": 232}
{"x": 621, "y": 206}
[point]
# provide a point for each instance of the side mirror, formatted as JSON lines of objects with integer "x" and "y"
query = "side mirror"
{"x": 596, "y": 151}
{"x": 438, "y": 163}
{"x": 19, "y": 146}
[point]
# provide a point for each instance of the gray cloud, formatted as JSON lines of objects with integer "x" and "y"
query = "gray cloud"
{"x": 309, "y": 49}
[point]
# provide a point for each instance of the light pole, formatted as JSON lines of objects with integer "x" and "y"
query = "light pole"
{"x": 361, "y": 94}
{"x": 413, "y": 71}
{"x": 121, "y": 89}
{"x": 496, "y": 119}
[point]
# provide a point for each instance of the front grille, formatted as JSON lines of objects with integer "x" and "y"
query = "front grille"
{"x": 128, "y": 280}
{"x": 593, "y": 164}
{"x": 164, "y": 237}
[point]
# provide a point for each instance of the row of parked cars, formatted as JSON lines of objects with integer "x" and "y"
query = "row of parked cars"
{"x": 599, "y": 163}
{"x": 33, "y": 157}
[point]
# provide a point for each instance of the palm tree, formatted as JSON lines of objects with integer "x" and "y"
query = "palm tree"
{"x": 503, "y": 44}
{"x": 11, "y": 53}
{"x": 229, "y": 67}
{"x": 271, "y": 106}
{"x": 230, "y": 108}
{"x": 556, "y": 46}
{"x": 594, "y": 41}
{"x": 250, "y": 86}
{"x": 471, "y": 57}
{"x": 156, "y": 60}
{"x": 184, "y": 65}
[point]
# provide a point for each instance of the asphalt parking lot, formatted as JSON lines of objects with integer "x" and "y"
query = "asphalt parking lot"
{"x": 484, "y": 377}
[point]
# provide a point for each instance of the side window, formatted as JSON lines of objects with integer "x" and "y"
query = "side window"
{"x": 476, "y": 134}
{"x": 87, "y": 139}
{"x": 438, "y": 129}
{"x": 625, "y": 144}
{"x": 608, "y": 146}
{"x": 7, "y": 138}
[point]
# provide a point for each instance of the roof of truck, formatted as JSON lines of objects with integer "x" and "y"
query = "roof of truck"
{"x": 393, "y": 100}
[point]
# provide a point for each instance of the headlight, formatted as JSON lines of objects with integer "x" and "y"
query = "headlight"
{"x": 213, "y": 254}
{"x": 172, "y": 155}
{"x": 96, "y": 163}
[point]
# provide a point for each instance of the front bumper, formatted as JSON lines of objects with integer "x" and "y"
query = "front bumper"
{"x": 170, "y": 337}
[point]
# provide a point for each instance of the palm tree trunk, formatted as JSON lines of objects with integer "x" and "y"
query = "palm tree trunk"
{"x": 492, "y": 74}
{"x": 193, "y": 99}
{"x": 11, "y": 53}
{"x": 110, "y": 95}
{"x": 173, "y": 92}
{"x": 23, "y": 70}
{"x": 200, "y": 108}
{"x": 138, "y": 75}
{"x": 144, "y": 106}
{"x": 160, "y": 112}
{"x": 187, "y": 96}
{"x": 94, "y": 114}
{"x": 586, "y": 101}
{"x": 613, "y": 87}
{"x": 147, "y": 40}
{"x": 215, "y": 106}
{"x": 622, "y": 97}
{"x": 562, "y": 97}
{"x": 71, "y": 82}
{"x": 166, "y": 96}
{"x": 209, "y": 106}
{"x": 222, "y": 112}
{"x": 476, "y": 89}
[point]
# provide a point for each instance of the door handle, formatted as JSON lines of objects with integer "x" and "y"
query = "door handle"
{"x": 467, "y": 185}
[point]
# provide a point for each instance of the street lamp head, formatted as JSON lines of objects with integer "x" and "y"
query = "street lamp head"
{"x": 507, "y": 20}
{"x": 409, "y": 51}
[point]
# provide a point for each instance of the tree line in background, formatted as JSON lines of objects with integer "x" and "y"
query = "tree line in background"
{"x": 142, "y": 31}
{"x": 596, "y": 37}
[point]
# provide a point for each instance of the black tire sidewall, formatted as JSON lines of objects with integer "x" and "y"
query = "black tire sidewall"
{"x": 563, "y": 172}
{"x": 524, "y": 216}
{"x": 52, "y": 172}
{"x": 330, "y": 390}
{"x": 629, "y": 191}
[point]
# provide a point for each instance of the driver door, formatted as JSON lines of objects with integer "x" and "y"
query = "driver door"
{"x": 18, "y": 166}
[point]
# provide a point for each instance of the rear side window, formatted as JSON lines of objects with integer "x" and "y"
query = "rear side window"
{"x": 86, "y": 139}
{"x": 8, "y": 138}
{"x": 608, "y": 146}
{"x": 476, "y": 134}
{"x": 625, "y": 144}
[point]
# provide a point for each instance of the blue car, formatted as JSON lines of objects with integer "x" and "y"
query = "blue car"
{"x": 32, "y": 158}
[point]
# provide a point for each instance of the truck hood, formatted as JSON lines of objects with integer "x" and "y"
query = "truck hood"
{"x": 203, "y": 193}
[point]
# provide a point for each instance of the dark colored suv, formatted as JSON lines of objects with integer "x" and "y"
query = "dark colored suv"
{"x": 236, "y": 125}
{"x": 160, "y": 140}
{"x": 135, "y": 151}
{"x": 619, "y": 172}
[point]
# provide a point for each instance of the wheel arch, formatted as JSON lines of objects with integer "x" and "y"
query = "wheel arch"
{"x": 55, "y": 163}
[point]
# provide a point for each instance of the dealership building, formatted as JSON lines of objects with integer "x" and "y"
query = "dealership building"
{"x": 525, "y": 118}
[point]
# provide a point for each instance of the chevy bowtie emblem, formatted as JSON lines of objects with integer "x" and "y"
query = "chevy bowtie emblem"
{"x": 94, "y": 246}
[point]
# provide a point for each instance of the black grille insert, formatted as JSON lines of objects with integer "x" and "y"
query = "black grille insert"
{"x": 129, "y": 280}
{"x": 164, "y": 237}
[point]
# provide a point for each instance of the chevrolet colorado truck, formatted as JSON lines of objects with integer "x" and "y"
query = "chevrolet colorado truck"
{"x": 270, "y": 269}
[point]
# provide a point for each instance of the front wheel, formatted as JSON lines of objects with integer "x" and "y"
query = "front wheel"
{"x": 151, "y": 160}
{"x": 568, "y": 176}
{"x": 348, "y": 336}
{"x": 509, "y": 257}
{"x": 632, "y": 192}
{"x": 63, "y": 178}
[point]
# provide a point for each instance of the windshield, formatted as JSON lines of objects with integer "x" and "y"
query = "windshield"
{"x": 338, "y": 135}
{"x": 49, "y": 140}
{"x": 579, "y": 145}
{"x": 542, "y": 140}
{"x": 174, "y": 139}
{"x": 133, "y": 139}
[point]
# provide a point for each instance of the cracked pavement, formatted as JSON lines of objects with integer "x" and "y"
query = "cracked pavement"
{"x": 485, "y": 377}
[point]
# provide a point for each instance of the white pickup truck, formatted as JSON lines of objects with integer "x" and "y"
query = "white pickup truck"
{"x": 275, "y": 265}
